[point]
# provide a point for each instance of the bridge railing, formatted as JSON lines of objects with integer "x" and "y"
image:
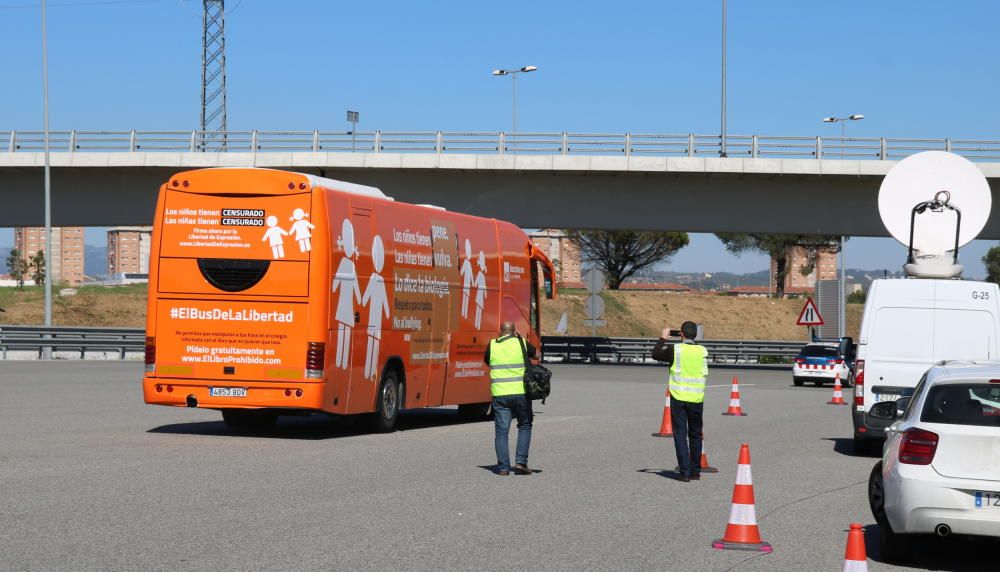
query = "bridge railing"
{"x": 494, "y": 143}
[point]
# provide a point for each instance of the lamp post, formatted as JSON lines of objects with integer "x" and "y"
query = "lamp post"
{"x": 722, "y": 135}
{"x": 353, "y": 117}
{"x": 842, "y": 305}
{"x": 513, "y": 75}
{"x": 47, "y": 351}
{"x": 843, "y": 128}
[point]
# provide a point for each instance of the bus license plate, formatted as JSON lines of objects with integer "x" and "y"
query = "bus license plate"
{"x": 987, "y": 500}
{"x": 227, "y": 391}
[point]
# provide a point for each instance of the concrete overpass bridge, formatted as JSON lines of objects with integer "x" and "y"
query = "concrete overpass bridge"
{"x": 606, "y": 181}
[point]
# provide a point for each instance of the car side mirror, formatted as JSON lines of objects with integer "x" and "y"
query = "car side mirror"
{"x": 884, "y": 410}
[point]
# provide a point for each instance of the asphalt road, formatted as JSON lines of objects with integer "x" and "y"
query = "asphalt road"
{"x": 93, "y": 479}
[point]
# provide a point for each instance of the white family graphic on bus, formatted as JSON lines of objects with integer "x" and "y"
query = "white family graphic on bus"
{"x": 376, "y": 297}
{"x": 300, "y": 229}
{"x": 469, "y": 279}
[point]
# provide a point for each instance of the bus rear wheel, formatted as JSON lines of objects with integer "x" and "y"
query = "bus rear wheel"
{"x": 249, "y": 419}
{"x": 387, "y": 402}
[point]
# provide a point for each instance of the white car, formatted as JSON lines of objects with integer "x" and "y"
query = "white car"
{"x": 940, "y": 468}
{"x": 821, "y": 362}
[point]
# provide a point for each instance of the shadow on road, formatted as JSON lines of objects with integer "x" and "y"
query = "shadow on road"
{"x": 956, "y": 553}
{"x": 665, "y": 473}
{"x": 845, "y": 446}
{"x": 320, "y": 426}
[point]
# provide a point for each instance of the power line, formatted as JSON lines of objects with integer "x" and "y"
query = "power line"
{"x": 77, "y": 3}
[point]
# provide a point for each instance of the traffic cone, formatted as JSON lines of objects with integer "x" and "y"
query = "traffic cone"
{"x": 734, "y": 400}
{"x": 742, "y": 532}
{"x": 855, "y": 558}
{"x": 666, "y": 428}
{"x": 704, "y": 467}
{"x": 838, "y": 394}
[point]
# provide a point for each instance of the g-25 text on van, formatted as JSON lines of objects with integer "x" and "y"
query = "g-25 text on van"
{"x": 910, "y": 324}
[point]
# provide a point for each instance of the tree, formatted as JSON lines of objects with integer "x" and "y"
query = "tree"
{"x": 622, "y": 253}
{"x": 17, "y": 266}
{"x": 992, "y": 262}
{"x": 38, "y": 268}
{"x": 778, "y": 247}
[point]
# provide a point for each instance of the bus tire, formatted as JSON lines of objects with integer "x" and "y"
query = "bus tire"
{"x": 249, "y": 419}
{"x": 387, "y": 402}
{"x": 475, "y": 411}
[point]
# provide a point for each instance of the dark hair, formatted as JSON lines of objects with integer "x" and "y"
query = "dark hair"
{"x": 689, "y": 330}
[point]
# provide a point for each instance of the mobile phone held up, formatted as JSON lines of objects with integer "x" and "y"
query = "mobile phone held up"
{"x": 675, "y": 333}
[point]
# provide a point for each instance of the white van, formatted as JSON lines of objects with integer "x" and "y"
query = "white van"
{"x": 909, "y": 325}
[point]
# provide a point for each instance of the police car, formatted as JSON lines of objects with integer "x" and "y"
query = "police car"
{"x": 821, "y": 362}
{"x": 940, "y": 468}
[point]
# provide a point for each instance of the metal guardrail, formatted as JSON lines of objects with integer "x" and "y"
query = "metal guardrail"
{"x": 68, "y": 339}
{"x": 639, "y": 350}
{"x": 497, "y": 143}
{"x": 566, "y": 348}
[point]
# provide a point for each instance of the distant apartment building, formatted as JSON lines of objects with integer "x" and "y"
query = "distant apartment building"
{"x": 825, "y": 268}
{"x": 67, "y": 256}
{"x": 128, "y": 250}
{"x": 563, "y": 253}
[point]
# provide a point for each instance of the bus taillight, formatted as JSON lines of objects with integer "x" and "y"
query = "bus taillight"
{"x": 150, "y": 354}
{"x": 315, "y": 356}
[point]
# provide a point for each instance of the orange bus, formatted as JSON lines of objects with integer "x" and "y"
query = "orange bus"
{"x": 272, "y": 292}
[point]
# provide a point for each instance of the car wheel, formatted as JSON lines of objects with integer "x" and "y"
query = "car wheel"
{"x": 797, "y": 381}
{"x": 894, "y": 548}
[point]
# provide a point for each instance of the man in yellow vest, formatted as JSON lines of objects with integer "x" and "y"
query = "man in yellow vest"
{"x": 688, "y": 371}
{"x": 505, "y": 356}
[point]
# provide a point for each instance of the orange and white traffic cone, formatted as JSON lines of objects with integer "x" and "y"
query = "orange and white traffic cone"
{"x": 838, "y": 394}
{"x": 742, "y": 532}
{"x": 666, "y": 427}
{"x": 855, "y": 558}
{"x": 734, "y": 400}
{"x": 705, "y": 467}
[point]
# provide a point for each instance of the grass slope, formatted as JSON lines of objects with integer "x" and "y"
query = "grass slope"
{"x": 628, "y": 314}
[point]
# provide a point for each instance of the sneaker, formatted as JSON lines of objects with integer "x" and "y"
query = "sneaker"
{"x": 503, "y": 473}
{"x": 520, "y": 469}
{"x": 696, "y": 477}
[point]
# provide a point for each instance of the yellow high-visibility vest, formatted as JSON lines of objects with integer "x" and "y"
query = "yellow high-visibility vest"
{"x": 506, "y": 366}
{"x": 688, "y": 373}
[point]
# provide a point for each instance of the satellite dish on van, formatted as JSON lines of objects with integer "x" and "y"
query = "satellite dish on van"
{"x": 934, "y": 203}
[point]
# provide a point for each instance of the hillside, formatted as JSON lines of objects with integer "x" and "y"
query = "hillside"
{"x": 631, "y": 314}
{"x": 642, "y": 314}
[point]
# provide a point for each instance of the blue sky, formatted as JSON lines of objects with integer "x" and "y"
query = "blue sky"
{"x": 913, "y": 68}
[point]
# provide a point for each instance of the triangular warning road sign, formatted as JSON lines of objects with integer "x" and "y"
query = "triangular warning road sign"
{"x": 810, "y": 315}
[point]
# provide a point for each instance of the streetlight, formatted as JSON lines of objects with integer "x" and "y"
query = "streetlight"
{"x": 353, "y": 117}
{"x": 513, "y": 75}
{"x": 722, "y": 135}
{"x": 842, "y": 304}
{"x": 843, "y": 128}
{"x": 47, "y": 351}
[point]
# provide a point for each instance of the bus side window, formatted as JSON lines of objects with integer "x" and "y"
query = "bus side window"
{"x": 534, "y": 297}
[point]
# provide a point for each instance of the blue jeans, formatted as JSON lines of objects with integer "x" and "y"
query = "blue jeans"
{"x": 504, "y": 409}
{"x": 686, "y": 421}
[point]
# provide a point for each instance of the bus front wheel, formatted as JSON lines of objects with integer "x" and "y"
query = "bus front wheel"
{"x": 387, "y": 402}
